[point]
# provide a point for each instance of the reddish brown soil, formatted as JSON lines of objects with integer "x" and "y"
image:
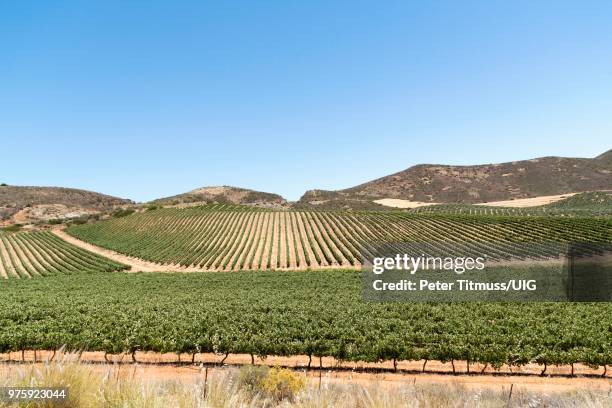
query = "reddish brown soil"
{"x": 333, "y": 373}
{"x": 435, "y": 370}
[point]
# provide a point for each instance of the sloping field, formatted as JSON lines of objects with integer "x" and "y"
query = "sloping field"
{"x": 234, "y": 238}
{"x": 32, "y": 254}
{"x": 589, "y": 204}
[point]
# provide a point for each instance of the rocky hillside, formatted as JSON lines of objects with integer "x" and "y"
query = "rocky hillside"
{"x": 22, "y": 204}
{"x": 479, "y": 183}
{"x": 224, "y": 194}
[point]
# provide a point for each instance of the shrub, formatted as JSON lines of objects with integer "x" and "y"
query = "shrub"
{"x": 281, "y": 384}
{"x": 123, "y": 212}
{"x": 251, "y": 377}
{"x": 277, "y": 383}
{"x": 152, "y": 207}
{"x": 79, "y": 221}
{"x": 12, "y": 228}
{"x": 3, "y": 185}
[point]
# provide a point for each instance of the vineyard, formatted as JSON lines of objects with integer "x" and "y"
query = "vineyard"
{"x": 32, "y": 254}
{"x": 309, "y": 313}
{"x": 591, "y": 204}
{"x": 219, "y": 237}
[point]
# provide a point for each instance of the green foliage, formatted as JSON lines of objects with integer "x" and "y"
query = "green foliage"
{"x": 152, "y": 207}
{"x": 123, "y": 212}
{"x": 290, "y": 313}
{"x": 78, "y": 221}
{"x": 12, "y": 228}
{"x": 596, "y": 203}
{"x": 34, "y": 254}
{"x": 3, "y": 185}
{"x": 235, "y": 237}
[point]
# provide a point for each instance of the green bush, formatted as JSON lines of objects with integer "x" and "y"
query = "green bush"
{"x": 79, "y": 221}
{"x": 152, "y": 207}
{"x": 12, "y": 228}
{"x": 123, "y": 212}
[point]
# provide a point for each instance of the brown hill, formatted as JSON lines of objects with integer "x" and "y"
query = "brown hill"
{"x": 25, "y": 203}
{"x": 605, "y": 157}
{"x": 224, "y": 194}
{"x": 479, "y": 183}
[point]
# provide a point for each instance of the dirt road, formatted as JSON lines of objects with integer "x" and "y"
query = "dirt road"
{"x": 165, "y": 367}
{"x": 136, "y": 264}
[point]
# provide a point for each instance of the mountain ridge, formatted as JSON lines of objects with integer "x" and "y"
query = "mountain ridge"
{"x": 224, "y": 194}
{"x": 32, "y": 203}
{"x": 439, "y": 183}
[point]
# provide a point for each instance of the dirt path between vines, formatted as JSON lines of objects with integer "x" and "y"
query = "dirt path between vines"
{"x": 5, "y": 262}
{"x": 156, "y": 366}
{"x": 135, "y": 264}
{"x": 141, "y": 265}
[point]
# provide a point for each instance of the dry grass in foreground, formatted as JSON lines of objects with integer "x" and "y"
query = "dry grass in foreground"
{"x": 107, "y": 385}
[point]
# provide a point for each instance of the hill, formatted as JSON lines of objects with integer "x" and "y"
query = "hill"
{"x": 435, "y": 183}
{"x": 224, "y": 237}
{"x": 224, "y": 195}
{"x": 24, "y": 204}
{"x": 588, "y": 204}
{"x": 594, "y": 201}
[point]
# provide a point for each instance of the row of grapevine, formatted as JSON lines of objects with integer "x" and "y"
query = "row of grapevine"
{"x": 32, "y": 254}
{"x": 294, "y": 313}
{"x": 226, "y": 240}
{"x": 598, "y": 204}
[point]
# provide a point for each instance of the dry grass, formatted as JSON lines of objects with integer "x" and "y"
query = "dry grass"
{"x": 120, "y": 386}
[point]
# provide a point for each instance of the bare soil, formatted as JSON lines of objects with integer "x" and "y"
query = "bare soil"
{"x": 517, "y": 203}
{"x": 529, "y": 202}
{"x": 136, "y": 264}
{"x": 166, "y": 367}
{"x": 296, "y": 251}
{"x": 140, "y": 265}
{"x": 399, "y": 203}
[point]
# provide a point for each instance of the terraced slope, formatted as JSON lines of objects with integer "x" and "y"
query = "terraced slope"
{"x": 35, "y": 254}
{"x": 220, "y": 238}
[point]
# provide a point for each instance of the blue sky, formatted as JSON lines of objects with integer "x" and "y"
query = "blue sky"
{"x": 149, "y": 99}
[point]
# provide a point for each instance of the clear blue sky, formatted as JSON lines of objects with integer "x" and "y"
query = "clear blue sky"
{"x": 148, "y": 99}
